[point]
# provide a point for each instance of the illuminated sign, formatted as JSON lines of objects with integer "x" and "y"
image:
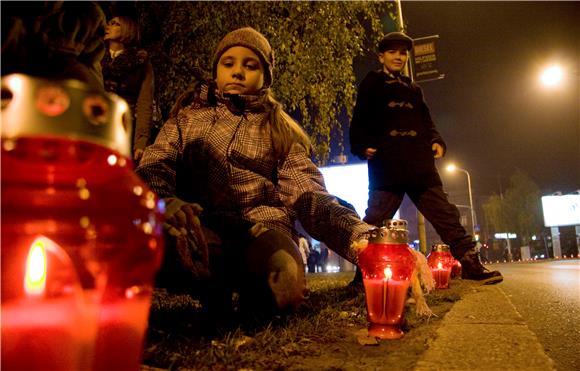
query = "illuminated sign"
{"x": 561, "y": 210}
{"x": 350, "y": 183}
{"x": 505, "y": 236}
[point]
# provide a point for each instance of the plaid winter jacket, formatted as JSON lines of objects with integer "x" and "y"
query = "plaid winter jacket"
{"x": 224, "y": 161}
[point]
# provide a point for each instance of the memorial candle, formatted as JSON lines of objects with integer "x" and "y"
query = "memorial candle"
{"x": 387, "y": 265}
{"x": 441, "y": 262}
{"x": 67, "y": 175}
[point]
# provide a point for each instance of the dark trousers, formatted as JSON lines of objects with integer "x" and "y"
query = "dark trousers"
{"x": 433, "y": 203}
{"x": 273, "y": 262}
{"x": 266, "y": 270}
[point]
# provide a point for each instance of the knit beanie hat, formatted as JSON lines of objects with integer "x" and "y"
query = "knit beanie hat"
{"x": 251, "y": 39}
{"x": 395, "y": 38}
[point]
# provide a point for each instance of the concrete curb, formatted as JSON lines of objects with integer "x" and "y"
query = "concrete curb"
{"x": 484, "y": 331}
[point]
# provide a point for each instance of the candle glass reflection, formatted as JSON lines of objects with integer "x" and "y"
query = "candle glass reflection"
{"x": 456, "y": 269}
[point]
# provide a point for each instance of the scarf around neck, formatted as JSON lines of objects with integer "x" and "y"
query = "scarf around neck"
{"x": 241, "y": 103}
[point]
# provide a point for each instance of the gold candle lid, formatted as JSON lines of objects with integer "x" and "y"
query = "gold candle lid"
{"x": 440, "y": 247}
{"x": 393, "y": 231}
{"x": 70, "y": 109}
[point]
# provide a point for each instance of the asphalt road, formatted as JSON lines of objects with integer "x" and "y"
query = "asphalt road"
{"x": 547, "y": 295}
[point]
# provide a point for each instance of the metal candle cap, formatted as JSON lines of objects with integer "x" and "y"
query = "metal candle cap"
{"x": 393, "y": 231}
{"x": 70, "y": 109}
{"x": 440, "y": 247}
{"x": 395, "y": 224}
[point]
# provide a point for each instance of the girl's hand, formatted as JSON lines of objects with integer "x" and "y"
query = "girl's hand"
{"x": 182, "y": 222}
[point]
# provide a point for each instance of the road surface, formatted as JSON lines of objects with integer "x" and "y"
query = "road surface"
{"x": 547, "y": 295}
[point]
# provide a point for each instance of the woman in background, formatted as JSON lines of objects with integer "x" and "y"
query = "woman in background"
{"x": 128, "y": 73}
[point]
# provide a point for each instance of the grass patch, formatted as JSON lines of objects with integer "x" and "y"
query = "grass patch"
{"x": 321, "y": 336}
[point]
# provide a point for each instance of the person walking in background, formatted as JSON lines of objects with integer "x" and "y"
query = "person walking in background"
{"x": 236, "y": 173}
{"x": 323, "y": 259}
{"x": 304, "y": 246}
{"x": 392, "y": 129}
{"x": 128, "y": 73}
{"x": 313, "y": 259}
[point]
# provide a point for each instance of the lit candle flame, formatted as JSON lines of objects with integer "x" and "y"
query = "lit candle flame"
{"x": 388, "y": 273}
{"x": 439, "y": 265}
{"x": 35, "y": 276}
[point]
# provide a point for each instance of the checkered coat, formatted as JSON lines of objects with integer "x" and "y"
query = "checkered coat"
{"x": 223, "y": 160}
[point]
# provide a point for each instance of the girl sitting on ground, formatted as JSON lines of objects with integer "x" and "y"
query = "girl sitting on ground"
{"x": 236, "y": 173}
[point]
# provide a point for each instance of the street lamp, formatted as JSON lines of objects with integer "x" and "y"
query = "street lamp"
{"x": 451, "y": 168}
{"x": 556, "y": 76}
{"x": 552, "y": 76}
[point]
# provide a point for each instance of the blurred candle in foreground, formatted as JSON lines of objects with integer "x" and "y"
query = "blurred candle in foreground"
{"x": 79, "y": 227}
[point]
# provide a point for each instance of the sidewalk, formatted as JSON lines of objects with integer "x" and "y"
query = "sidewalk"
{"x": 484, "y": 331}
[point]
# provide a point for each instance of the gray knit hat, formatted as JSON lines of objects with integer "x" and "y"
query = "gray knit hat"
{"x": 251, "y": 39}
{"x": 395, "y": 38}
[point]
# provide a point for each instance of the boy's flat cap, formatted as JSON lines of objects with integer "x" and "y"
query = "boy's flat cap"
{"x": 395, "y": 38}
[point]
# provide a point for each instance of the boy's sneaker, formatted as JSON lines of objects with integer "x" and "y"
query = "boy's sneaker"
{"x": 472, "y": 269}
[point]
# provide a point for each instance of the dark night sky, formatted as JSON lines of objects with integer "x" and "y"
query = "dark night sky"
{"x": 490, "y": 108}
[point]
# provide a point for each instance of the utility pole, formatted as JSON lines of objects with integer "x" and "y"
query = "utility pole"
{"x": 409, "y": 70}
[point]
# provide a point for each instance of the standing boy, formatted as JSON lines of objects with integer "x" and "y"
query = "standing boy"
{"x": 392, "y": 129}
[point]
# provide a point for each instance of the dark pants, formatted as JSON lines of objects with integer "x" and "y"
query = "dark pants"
{"x": 266, "y": 270}
{"x": 433, "y": 204}
{"x": 274, "y": 263}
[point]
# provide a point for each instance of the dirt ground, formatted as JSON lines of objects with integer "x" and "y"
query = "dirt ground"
{"x": 400, "y": 354}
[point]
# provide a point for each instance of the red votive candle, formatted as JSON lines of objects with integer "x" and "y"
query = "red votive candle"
{"x": 68, "y": 182}
{"x": 440, "y": 262}
{"x": 387, "y": 266}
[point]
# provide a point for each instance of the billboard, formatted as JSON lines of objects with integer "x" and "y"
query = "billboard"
{"x": 349, "y": 182}
{"x": 561, "y": 210}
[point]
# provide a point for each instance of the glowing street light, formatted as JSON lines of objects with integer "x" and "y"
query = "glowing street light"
{"x": 552, "y": 76}
{"x": 451, "y": 168}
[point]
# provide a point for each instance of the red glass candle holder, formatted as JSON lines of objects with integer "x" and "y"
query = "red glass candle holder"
{"x": 440, "y": 262}
{"x": 68, "y": 185}
{"x": 387, "y": 266}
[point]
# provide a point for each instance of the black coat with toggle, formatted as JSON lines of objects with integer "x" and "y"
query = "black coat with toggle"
{"x": 391, "y": 115}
